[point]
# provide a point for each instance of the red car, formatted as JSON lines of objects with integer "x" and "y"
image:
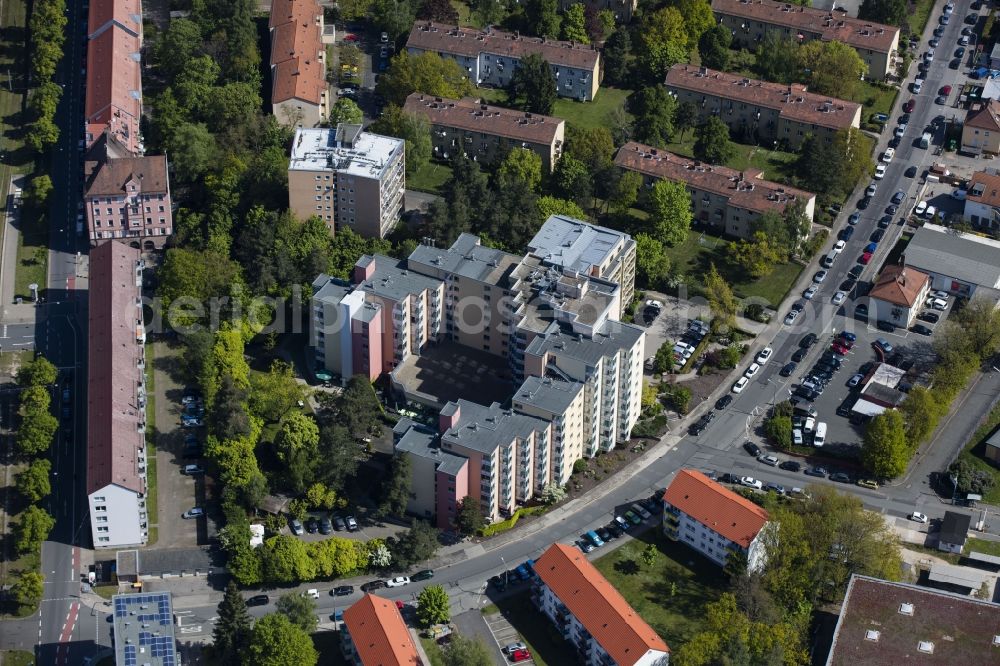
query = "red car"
{"x": 839, "y": 349}
{"x": 350, "y": 38}
{"x": 866, "y": 257}
{"x": 520, "y": 655}
{"x": 946, "y": 90}
{"x": 909, "y": 106}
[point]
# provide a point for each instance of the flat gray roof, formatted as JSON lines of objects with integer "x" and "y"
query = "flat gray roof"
{"x": 467, "y": 258}
{"x": 547, "y": 394}
{"x": 144, "y": 630}
{"x": 613, "y": 336}
{"x": 327, "y": 288}
{"x": 574, "y": 244}
{"x": 483, "y": 428}
{"x": 393, "y": 280}
{"x": 964, "y": 257}
{"x": 423, "y": 442}
{"x": 956, "y": 575}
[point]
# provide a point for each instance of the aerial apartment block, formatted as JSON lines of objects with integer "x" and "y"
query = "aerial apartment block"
{"x": 127, "y": 198}
{"x": 348, "y": 178}
{"x": 374, "y": 634}
{"x": 299, "y": 92}
{"x": 751, "y": 20}
{"x": 591, "y": 614}
{"x": 490, "y": 56}
{"x": 487, "y": 133}
{"x": 113, "y": 98}
{"x": 713, "y": 520}
{"x": 769, "y": 112}
{"x": 116, "y": 399}
{"x": 724, "y": 198}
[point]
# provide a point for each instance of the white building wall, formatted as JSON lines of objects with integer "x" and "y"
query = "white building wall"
{"x": 630, "y": 389}
{"x": 117, "y": 518}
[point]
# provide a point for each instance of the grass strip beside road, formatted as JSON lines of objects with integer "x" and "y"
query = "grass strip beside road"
{"x": 919, "y": 15}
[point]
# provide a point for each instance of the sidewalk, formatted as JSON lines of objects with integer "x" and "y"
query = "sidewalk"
{"x": 10, "y": 312}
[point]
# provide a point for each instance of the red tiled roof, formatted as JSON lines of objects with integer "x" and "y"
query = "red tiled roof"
{"x": 598, "y": 606}
{"x": 296, "y": 46}
{"x": 899, "y": 285}
{"x": 469, "y": 114}
{"x": 984, "y": 116}
{"x": 792, "y": 102}
{"x": 821, "y": 23}
{"x": 744, "y": 189}
{"x": 716, "y": 507}
{"x": 113, "y": 372}
{"x": 113, "y": 77}
{"x": 109, "y": 178}
{"x": 469, "y": 42}
{"x": 379, "y": 635}
{"x": 984, "y": 188}
{"x": 126, "y": 13}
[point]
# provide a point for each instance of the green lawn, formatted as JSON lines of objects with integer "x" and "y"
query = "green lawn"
{"x": 918, "y": 15}
{"x": 981, "y": 546}
{"x": 547, "y": 647}
{"x": 973, "y": 453}
{"x": 429, "y": 178}
{"x": 17, "y": 658}
{"x": 777, "y": 165}
{"x": 670, "y": 595}
{"x": 433, "y": 651}
{"x": 875, "y": 99}
{"x": 692, "y": 258}
{"x": 598, "y": 113}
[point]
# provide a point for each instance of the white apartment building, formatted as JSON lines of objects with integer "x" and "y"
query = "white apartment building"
{"x": 347, "y": 178}
{"x": 562, "y": 404}
{"x": 116, "y": 399}
{"x": 591, "y": 614}
{"x": 713, "y": 520}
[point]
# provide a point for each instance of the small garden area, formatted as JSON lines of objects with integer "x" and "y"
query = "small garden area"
{"x": 669, "y": 591}
{"x": 431, "y": 177}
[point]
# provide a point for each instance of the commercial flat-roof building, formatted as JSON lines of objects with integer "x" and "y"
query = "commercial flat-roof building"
{"x": 591, "y": 614}
{"x": 144, "y": 630}
{"x": 898, "y": 295}
{"x": 751, "y": 20}
{"x": 487, "y": 133}
{"x": 299, "y": 92}
{"x": 760, "y": 110}
{"x": 891, "y": 623}
{"x": 713, "y": 520}
{"x": 490, "y": 56}
{"x": 116, "y": 399}
{"x": 724, "y": 198}
{"x": 374, "y": 634}
{"x": 347, "y": 178}
{"x": 959, "y": 263}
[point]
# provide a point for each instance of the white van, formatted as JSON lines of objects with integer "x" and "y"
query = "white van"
{"x": 820, "y": 437}
{"x": 829, "y": 259}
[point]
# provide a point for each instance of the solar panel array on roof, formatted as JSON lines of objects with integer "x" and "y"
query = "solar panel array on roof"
{"x": 144, "y": 630}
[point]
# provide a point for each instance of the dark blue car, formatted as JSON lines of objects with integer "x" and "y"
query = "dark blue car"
{"x": 871, "y": 247}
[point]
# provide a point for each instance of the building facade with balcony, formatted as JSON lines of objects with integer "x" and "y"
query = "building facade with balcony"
{"x": 490, "y": 57}
{"x": 300, "y": 96}
{"x": 487, "y": 133}
{"x": 760, "y": 110}
{"x": 375, "y": 634}
{"x": 750, "y": 20}
{"x": 713, "y": 520}
{"x": 116, "y": 399}
{"x": 128, "y": 199}
{"x": 561, "y": 403}
{"x": 591, "y": 614}
{"x": 348, "y": 178}
{"x": 731, "y": 201}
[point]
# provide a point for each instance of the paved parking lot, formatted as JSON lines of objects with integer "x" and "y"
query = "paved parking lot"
{"x": 671, "y": 322}
{"x": 472, "y": 623}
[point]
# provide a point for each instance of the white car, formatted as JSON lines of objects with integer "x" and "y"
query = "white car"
{"x": 797, "y": 437}
{"x": 936, "y": 303}
{"x": 943, "y": 295}
{"x": 921, "y": 207}
{"x": 751, "y": 371}
{"x": 193, "y": 470}
{"x": 771, "y": 461}
{"x": 930, "y": 212}
{"x": 879, "y": 171}
{"x": 653, "y": 303}
{"x": 855, "y": 380}
{"x": 764, "y": 355}
{"x": 740, "y": 384}
{"x": 872, "y": 187}
{"x": 901, "y": 130}
{"x": 839, "y": 246}
{"x": 311, "y": 593}
{"x": 751, "y": 482}
{"x": 917, "y": 85}
{"x": 809, "y": 425}
{"x": 839, "y": 298}
{"x": 398, "y": 581}
{"x": 888, "y": 155}
{"x": 918, "y": 517}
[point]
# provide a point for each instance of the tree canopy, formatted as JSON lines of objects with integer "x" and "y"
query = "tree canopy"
{"x": 276, "y": 641}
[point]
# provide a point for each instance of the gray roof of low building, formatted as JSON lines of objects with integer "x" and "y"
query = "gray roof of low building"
{"x": 994, "y": 439}
{"x": 955, "y": 527}
{"x": 574, "y": 244}
{"x": 144, "y": 629}
{"x": 884, "y": 394}
{"x": 548, "y": 394}
{"x": 960, "y": 256}
{"x": 467, "y": 258}
{"x": 177, "y": 561}
{"x": 612, "y": 337}
{"x": 327, "y": 288}
{"x": 483, "y": 428}
{"x": 393, "y": 280}
{"x": 423, "y": 442}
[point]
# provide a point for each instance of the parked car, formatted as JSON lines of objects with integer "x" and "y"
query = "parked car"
{"x": 855, "y": 380}
{"x": 819, "y": 276}
{"x": 770, "y": 461}
{"x": 909, "y": 105}
{"x": 921, "y": 329}
{"x": 816, "y": 471}
{"x": 930, "y": 317}
{"x": 751, "y": 482}
{"x": 192, "y": 470}
{"x": 398, "y": 581}
{"x": 196, "y": 512}
{"x": 868, "y": 483}
{"x": 810, "y": 292}
{"x": 799, "y": 355}
{"x": 373, "y": 585}
{"x": 790, "y": 466}
{"x": 425, "y": 574}
{"x": 352, "y": 524}
{"x": 342, "y": 590}
{"x": 787, "y": 369}
{"x": 312, "y": 525}
{"x": 724, "y": 401}
{"x": 840, "y": 477}
{"x": 752, "y": 448}
{"x": 297, "y": 528}
{"x": 258, "y": 600}
{"x": 775, "y": 488}
{"x": 918, "y": 517}
{"x": 325, "y": 525}
{"x": 740, "y": 384}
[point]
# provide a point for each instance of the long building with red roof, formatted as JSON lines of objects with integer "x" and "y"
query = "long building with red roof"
{"x": 591, "y": 614}
{"x": 113, "y": 99}
{"x": 299, "y": 93}
{"x": 713, "y": 520}
{"x": 116, "y": 399}
{"x": 375, "y": 634}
